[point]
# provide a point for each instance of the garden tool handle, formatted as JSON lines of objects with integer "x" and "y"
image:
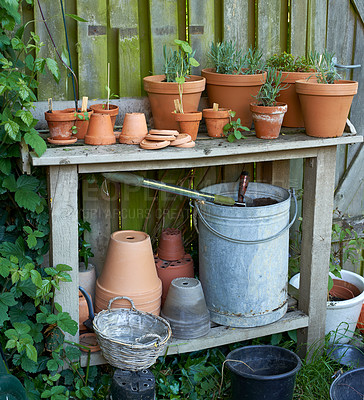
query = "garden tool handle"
{"x": 132, "y": 308}
{"x": 89, "y": 303}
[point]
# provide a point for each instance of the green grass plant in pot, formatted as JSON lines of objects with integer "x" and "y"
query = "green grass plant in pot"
{"x": 176, "y": 83}
{"x": 234, "y": 78}
{"x": 325, "y": 99}
{"x": 292, "y": 69}
{"x": 267, "y": 112}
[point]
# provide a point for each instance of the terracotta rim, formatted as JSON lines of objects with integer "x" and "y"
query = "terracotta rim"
{"x": 279, "y": 108}
{"x": 214, "y": 78}
{"x": 155, "y": 84}
{"x": 188, "y": 116}
{"x": 341, "y": 88}
{"x": 62, "y": 142}
{"x": 153, "y": 145}
{"x": 181, "y": 138}
{"x": 126, "y": 139}
{"x": 160, "y": 137}
{"x": 89, "y": 340}
{"x": 211, "y": 113}
{"x": 164, "y": 132}
{"x": 59, "y": 116}
{"x": 96, "y": 141}
{"x": 129, "y": 236}
{"x": 292, "y": 77}
{"x": 99, "y": 108}
{"x": 187, "y": 145}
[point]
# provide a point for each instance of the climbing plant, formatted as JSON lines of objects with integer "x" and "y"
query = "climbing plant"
{"x": 32, "y": 324}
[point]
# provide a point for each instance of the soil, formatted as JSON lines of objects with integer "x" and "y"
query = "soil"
{"x": 263, "y": 201}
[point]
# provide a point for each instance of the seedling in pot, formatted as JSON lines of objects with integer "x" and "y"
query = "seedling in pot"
{"x": 233, "y": 128}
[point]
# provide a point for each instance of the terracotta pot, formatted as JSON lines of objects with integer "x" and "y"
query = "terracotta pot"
{"x": 360, "y": 324}
{"x": 81, "y": 124}
{"x": 100, "y": 130}
{"x": 113, "y": 111}
{"x": 169, "y": 270}
{"x": 185, "y": 309}
{"x": 129, "y": 270}
{"x": 60, "y": 124}
{"x": 87, "y": 278}
{"x": 83, "y": 312}
{"x": 216, "y": 120}
{"x": 233, "y": 91}
{"x": 170, "y": 246}
{"x": 134, "y": 128}
{"x": 293, "y": 118}
{"x": 162, "y": 95}
{"x": 188, "y": 122}
{"x": 325, "y": 107}
{"x": 353, "y": 289}
{"x": 90, "y": 341}
{"x": 268, "y": 120}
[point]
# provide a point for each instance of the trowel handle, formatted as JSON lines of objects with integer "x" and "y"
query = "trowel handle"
{"x": 243, "y": 186}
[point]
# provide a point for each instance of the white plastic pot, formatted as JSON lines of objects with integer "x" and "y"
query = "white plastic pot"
{"x": 341, "y": 316}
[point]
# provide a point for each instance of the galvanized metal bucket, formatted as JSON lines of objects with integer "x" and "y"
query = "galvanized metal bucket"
{"x": 243, "y": 256}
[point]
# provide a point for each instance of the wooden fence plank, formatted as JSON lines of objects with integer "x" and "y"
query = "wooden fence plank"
{"x": 316, "y": 25}
{"x": 201, "y": 30}
{"x": 239, "y": 22}
{"x": 271, "y": 30}
{"x": 164, "y": 29}
{"x": 124, "y": 17}
{"x": 298, "y": 27}
{"x": 92, "y": 49}
{"x": 48, "y": 87}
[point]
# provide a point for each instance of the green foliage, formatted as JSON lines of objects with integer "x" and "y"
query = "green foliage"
{"x": 270, "y": 89}
{"x": 232, "y": 130}
{"x": 324, "y": 65}
{"x": 178, "y": 63}
{"x": 288, "y": 63}
{"x": 84, "y": 248}
{"x": 228, "y": 59}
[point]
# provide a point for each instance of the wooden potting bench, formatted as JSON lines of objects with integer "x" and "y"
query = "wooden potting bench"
{"x": 65, "y": 164}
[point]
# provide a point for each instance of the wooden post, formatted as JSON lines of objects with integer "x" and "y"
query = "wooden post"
{"x": 319, "y": 178}
{"x": 62, "y": 187}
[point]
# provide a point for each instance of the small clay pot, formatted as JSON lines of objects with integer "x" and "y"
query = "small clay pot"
{"x": 100, "y": 130}
{"x": 87, "y": 278}
{"x": 82, "y": 121}
{"x": 215, "y": 121}
{"x": 169, "y": 270}
{"x": 60, "y": 124}
{"x": 134, "y": 128}
{"x": 188, "y": 122}
{"x": 268, "y": 120}
{"x": 113, "y": 111}
{"x": 185, "y": 309}
{"x": 90, "y": 341}
{"x": 170, "y": 246}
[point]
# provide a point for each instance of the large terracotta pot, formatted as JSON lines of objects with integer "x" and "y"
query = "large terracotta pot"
{"x": 134, "y": 128}
{"x": 113, "y": 111}
{"x": 268, "y": 120}
{"x": 129, "y": 270}
{"x": 100, "y": 130}
{"x": 216, "y": 120}
{"x": 233, "y": 91}
{"x": 60, "y": 126}
{"x": 81, "y": 121}
{"x": 188, "y": 122}
{"x": 293, "y": 118}
{"x": 325, "y": 107}
{"x": 162, "y": 95}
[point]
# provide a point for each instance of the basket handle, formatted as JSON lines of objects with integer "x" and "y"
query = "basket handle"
{"x": 159, "y": 339}
{"x": 122, "y": 298}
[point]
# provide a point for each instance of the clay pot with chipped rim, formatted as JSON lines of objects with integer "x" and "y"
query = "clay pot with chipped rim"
{"x": 113, "y": 111}
{"x": 100, "y": 130}
{"x": 82, "y": 121}
{"x": 216, "y": 120}
{"x": 129, "y": 270}
{"x": 268, "y": 119}
{"x": 170, "y": 246}
{"x": 60, "y": 123}
{"x": 169, "y": 270}
{"x": 188, "y": 122}
{"x": 134, "y": 128}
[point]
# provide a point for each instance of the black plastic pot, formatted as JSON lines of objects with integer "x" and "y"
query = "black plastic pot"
{"x": 349, "y": 385}
{"x": 269, "y": 372}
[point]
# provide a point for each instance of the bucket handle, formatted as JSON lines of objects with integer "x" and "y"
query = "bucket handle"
{"x": 240, "y": 241}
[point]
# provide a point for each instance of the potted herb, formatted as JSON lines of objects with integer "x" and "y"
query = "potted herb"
{"x": 232, "y": 130}
{"x": 234, "y": 78}
{"x": 325, "y": 99}
{"x": 292, "y": 69}
{"x": 216, "y": 118}
{"x": 267, "y": 112}
{"x": 175, "y": 83}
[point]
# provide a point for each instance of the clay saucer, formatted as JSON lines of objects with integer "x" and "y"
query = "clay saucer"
{"x": 166, "y": 132}
{"x": 61, "y": 142}
{"x": 89, "y": 340}
{"x": 181, "y": 138}
{"x": 187, "y": 145}
{"x": 153, "y": 145}
{"x": 160, "y": 137}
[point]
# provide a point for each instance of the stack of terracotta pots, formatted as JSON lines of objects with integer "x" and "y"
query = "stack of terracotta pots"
{"x": 129, "y": 270}
{"x": 172, "y": 261}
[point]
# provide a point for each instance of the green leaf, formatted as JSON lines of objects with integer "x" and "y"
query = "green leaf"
{"x": 12, "y": 129}
{"x": 33, "y": 139}
{"x": 194, "y": 62}
{"x": 231, "y": 137}
{"x": 237, "y": 134}
{"x": 50, "y": 271}
{"x": 73, "y": 353}
{"x": 52, "y": 365}
{"x": 63, "y": 267}
{"x": 10, "y": 183}
{"x": 76, "y": 18}
{"x": 27, "y": 199}
{"x": 36, "y": 278}
{"x": 26, "y": 117}
{"x": 5, "y": 166}
{"x": 86, "y": 391}
{"x": 31, "y": 352}
{"x": 7, "y": 299}
{"x": 67, "y": 324}
{"x": 29, "y": 365}
{"x": 27, "y": 182}
{"x": 21, "y": 328}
